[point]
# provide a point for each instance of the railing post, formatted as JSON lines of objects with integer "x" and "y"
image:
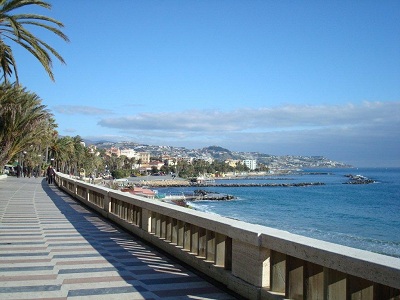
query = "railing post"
{"x": 295, "y": 277}
{"x": 220, "y": 249}
{"x": 146, "y": 220}
{"x": 174, "y": 237}
{"x": 107, "y": 203}
{"x": 251, "y": 263}
{"x": 202, "y": 242}
{"x": 163, "y": 227}
{"x": 314, "y": 281}
{"x": 210, "y": 246}
{"x": 181, "y": 233}
{"x": 187, "y": 236}
{"x": 278, "y": 272}
{"x": 169, "y": 229}
{"x": 336, "y": 284}
{"x": 359, "y": 288}
{"x": 195, "y": 240}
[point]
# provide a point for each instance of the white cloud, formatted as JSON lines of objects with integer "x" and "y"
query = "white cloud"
{"x": 354, "y": 133}
{"x": 262, "y": 119}
{"x": 80, "y": 110}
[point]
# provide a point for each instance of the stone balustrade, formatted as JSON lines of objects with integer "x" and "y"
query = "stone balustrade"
{"x": 254, "y": 261}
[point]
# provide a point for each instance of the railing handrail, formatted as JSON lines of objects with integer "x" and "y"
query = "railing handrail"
{"x": 378, "y": 268}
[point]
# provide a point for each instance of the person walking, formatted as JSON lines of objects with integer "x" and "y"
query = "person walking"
{"x": 18, "y": 170}
{"x": 50, "y": 175}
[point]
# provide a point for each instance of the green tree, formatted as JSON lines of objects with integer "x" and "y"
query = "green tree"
{"x": 63, "y": 152}
{"x": 14, "y": 27}
{"x": 24, "y": 122}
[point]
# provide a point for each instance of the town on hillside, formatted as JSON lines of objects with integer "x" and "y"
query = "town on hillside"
{"x": 253, "y": 160}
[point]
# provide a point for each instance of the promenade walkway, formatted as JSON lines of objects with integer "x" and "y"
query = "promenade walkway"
{"x": 52, "y": 247}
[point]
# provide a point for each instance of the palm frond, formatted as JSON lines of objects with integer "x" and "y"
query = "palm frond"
{"x": 13, "y": 27}
{"x": 38, "y": 17}
{"x": 14, "y": 4}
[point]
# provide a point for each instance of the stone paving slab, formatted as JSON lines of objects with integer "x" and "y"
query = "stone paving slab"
{"x": 52, "y": 247}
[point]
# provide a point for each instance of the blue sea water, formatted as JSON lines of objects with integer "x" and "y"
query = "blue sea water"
{"x": 365, "y": 216}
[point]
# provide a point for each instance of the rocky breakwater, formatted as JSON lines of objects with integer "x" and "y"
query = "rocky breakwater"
{"x": 207, "y": 195}
{"x": 186, "y": 183}
{"x": 358, "y": 179}
{"x": 164, "y": 183}
{"x": 299, "y": 184}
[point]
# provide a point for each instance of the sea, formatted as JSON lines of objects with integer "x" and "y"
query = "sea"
{"x": 363, "y": 216}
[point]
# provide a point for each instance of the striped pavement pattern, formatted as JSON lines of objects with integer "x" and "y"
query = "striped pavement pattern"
{"x": 52, "y": 247}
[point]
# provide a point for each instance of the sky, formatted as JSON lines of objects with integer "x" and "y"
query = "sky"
{"x": 276, "y": 77}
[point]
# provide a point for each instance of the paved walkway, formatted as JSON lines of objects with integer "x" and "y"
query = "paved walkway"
{"x": 51, "y": 247}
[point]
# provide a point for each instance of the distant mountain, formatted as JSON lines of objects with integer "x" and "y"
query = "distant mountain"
{"x": 217, "y": 152}
{"x": 216, "y": 149}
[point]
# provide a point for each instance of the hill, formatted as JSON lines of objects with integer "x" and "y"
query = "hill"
{"x": 220, "y": 153}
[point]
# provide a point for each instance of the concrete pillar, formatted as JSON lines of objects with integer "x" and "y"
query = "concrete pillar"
{"x": 157, "y": 224}
{"x": 314, "y": 281}
{"x": 295, "y": 277}
{"x": 107, "y": 203}
{"x": 278, "y": 272}
{"x": 175, "y": 230}
{"x": 146, "y": 220}
{"x": 194, "y": 248}
{"x": 360, "y": 289}
{"x": 210, "y": 246}
{"x": 163, "y": 227}
{"x": 202, "y": 242}
{"x": 336, "y": 284}
{"x": 181, "y": 233}
{"x": 169, "y": 229}
{"x": 187, "y": 236}
{"x": 251, "y": 263}
{"x": 220, "y": 249}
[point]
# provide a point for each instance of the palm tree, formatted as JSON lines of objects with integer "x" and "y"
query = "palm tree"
{"x": 63, "y": 151}
{"x": 24, "y": 122}
{"x": 13, "y": 28}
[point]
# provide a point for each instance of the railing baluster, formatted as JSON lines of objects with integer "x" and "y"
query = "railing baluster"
{"x": 359, "y": 288}
{"x": 220, "y": 249}
{"x": 187, "y": 237}
{"x": 295, "y": 276}
{"x": 202, "y": 242}
{"x": 181, "y": 225}
{"x": 194, "y": 240}
{"x": 210, "y": 246}
{"x": 175, "y": 230}
{"x": 169, "y": 229}
{"x": 278, "y": 272}
{"x": 336, "y": 284}
{"x": 314, "y": 281}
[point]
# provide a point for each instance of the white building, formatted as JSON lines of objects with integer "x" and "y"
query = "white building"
{"x": 129, "y": 153}
{"x": 250, "y": 163}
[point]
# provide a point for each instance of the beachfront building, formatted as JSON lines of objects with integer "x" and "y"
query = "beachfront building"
{"x": 112, "y": 151}
{"x": 170, "y": 162}
{"x": 250, "y": 163}
{"x": 232, "y": 162}
{"x": 129, "y": 153}
{"x": 156, "y": 164}
{"x": 189, "y": 160}
{"x": 144, "y": 157}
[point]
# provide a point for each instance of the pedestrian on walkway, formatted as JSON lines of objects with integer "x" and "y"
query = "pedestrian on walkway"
{"x": 18, "y": 170}
{"x": 50, "y": 175}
